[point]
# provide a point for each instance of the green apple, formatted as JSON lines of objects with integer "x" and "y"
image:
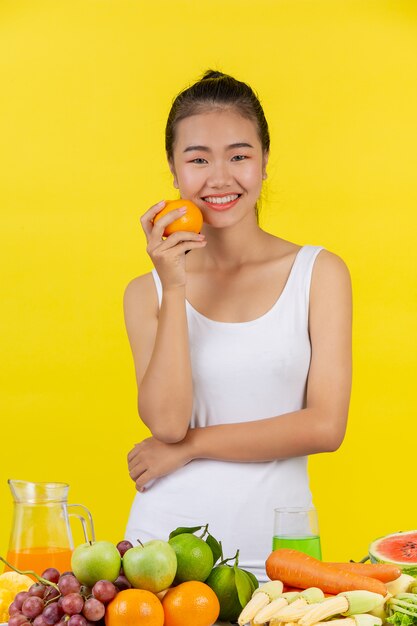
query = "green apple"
{"x": 98, "y": 560}
{"x": 151, "y": 566}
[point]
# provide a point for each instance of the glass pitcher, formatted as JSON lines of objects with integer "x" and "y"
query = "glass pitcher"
{"x": 41, "y": 534}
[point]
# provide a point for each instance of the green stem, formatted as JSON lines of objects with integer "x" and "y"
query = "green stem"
{"x": 406, "y": 605}
{"x": 230, "y": 558}
{"x": 31, "y": 573}
{"x": 399, "y": 609}
{"x": 205, "y": 531}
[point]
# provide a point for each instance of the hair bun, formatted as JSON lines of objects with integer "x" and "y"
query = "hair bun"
{"x": 212, "y": 74}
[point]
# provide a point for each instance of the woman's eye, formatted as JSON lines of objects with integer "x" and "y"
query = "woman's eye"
{"x": 198, "y": 160}
{"x": 239, "y": 157}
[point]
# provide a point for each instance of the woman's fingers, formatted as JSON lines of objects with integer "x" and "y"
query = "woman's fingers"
{"x": 157, "y": 229}
{"x": 133, "y": 454}
{"x": 147, "y": 218}
{"x": 179, "y": 237}
{"x": 185, "y": 246}
{"x": 144, "y": 478}
{"x": 160, "y": 225}
{"x": 137, "y": 470}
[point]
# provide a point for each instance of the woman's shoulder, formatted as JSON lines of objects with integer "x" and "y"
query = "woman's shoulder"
{"x": 328, "y": 268}
{"x": 330, "y": 264}
{"x": 140, "y": 292}
{"x": 330, "y": 275}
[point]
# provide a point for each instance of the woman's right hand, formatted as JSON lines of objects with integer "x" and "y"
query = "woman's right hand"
{"x": 168, "y": 255}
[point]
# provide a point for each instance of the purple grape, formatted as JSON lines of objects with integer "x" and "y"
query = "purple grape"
{"x": 18, "y": 620}
{"x": 104, "y": 591}
{"x": 124, "y": 546}
{"x": 77, "y": 620}
{"x": 93, "y": 609}
{"x": 13, "y": 610}
{"x": 68, "y": 573}
{"x": 72, "y": 603}
{"x": 39, "y": 621}
{"x": 32, "y": 607}
{"x": 122, "y": 583}
{"x": 52, "y": 613}
{"x": 68, "y": 584}
{"x": 51, "y": 574}
{"x": 51, "y": 593}
{"x": 20, "y": 598}
{"x": 37, "y": 590}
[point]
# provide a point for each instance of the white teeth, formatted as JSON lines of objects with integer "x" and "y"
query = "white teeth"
{"x": 224, "y": 200}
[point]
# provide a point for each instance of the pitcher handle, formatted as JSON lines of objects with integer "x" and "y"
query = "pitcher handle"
{"x": 87, "y": 517}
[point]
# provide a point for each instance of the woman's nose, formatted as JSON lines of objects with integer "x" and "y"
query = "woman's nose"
{"x": 219, "y": 176}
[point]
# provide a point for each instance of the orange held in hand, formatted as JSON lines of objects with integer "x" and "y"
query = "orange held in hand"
{"x": 191, "y": 221}
{"x": 134, "y": 607}
{"x": 192, "y": 603}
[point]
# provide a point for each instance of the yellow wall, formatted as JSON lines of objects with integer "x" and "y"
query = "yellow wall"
{"x": 86, "y": 87}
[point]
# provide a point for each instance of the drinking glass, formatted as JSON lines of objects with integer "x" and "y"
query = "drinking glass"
{"x": 297, "y": 528}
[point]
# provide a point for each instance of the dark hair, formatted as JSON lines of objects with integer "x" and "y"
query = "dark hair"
{"x": 216, "y": 89}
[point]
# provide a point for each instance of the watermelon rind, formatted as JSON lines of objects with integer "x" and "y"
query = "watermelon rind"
{"x": 377, "y": 556}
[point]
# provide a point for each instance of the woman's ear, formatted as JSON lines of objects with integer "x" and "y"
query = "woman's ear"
{"x": 172, "y": 169}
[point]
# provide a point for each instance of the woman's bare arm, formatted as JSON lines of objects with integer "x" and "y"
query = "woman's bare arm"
{"x": 160, "y": 350}
{"x": 159, "y": 339}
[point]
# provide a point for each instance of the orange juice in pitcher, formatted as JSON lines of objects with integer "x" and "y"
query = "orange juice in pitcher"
{"x": 41, "y": 534}
{"x": 40, "y": 558}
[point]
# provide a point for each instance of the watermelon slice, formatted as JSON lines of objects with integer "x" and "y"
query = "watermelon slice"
{"x": 399, "y": 549}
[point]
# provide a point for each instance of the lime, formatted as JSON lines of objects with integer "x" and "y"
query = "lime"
{"x": 194, "y": 558}
{"x": 222, "y": 581}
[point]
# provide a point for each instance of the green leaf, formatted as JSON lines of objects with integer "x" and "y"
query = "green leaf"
{"x": 254, "y": 580}
{"x": 401, "y": 619}
{"x": 243, "y": 586}
{"x": 184, "y": 529}
{"x": 215, "y": 546}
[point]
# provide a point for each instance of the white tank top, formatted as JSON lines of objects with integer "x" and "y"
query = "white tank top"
{"x": 242, "y": 371}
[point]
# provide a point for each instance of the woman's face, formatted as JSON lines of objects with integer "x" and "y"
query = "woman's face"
{"x": 219, "y": 164}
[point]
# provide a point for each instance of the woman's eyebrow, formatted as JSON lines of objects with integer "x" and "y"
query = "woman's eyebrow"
{"x": 240, "y": 144}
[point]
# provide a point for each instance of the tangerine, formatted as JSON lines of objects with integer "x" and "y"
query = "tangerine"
{"x": 194, "y": 557}
{"x": 134, "y": 606}
{"x": 192, "y": 603}
{"x": 191, "y": 221}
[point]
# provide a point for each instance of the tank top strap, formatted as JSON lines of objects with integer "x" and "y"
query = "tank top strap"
{"x": 300, "y": 276}
{"x": 158, "y": 285}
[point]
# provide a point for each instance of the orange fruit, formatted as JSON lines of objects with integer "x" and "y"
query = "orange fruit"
{"x": 191, "y": 221}
{"x": 194, "y": 557}
{"x": 134, "y": 606}
{"x": 192, "y": 603}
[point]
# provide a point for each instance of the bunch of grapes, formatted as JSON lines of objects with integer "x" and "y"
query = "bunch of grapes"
{"x": 64, "y": 600}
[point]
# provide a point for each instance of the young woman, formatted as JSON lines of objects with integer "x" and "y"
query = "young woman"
{"x": 242, "y": 348}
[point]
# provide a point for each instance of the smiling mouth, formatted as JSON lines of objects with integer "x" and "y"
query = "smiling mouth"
{"x": 222, "y": 199}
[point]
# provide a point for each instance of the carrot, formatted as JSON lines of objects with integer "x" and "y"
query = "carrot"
{"x": 297, "y": 569}
{"x": 289, "y": 588}
{"x": 381, "y": 571}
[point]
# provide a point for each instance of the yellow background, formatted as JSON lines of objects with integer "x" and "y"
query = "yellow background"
{"x": 86, "y": 88}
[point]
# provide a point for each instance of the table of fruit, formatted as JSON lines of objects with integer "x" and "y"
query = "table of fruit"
{"x": 186, "y": 582}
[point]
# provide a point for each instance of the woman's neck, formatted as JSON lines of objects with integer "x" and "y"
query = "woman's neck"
{"x": 230, "y": 248}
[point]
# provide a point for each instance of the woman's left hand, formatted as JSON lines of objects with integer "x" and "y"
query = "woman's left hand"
{"x": 151, "y": 459}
